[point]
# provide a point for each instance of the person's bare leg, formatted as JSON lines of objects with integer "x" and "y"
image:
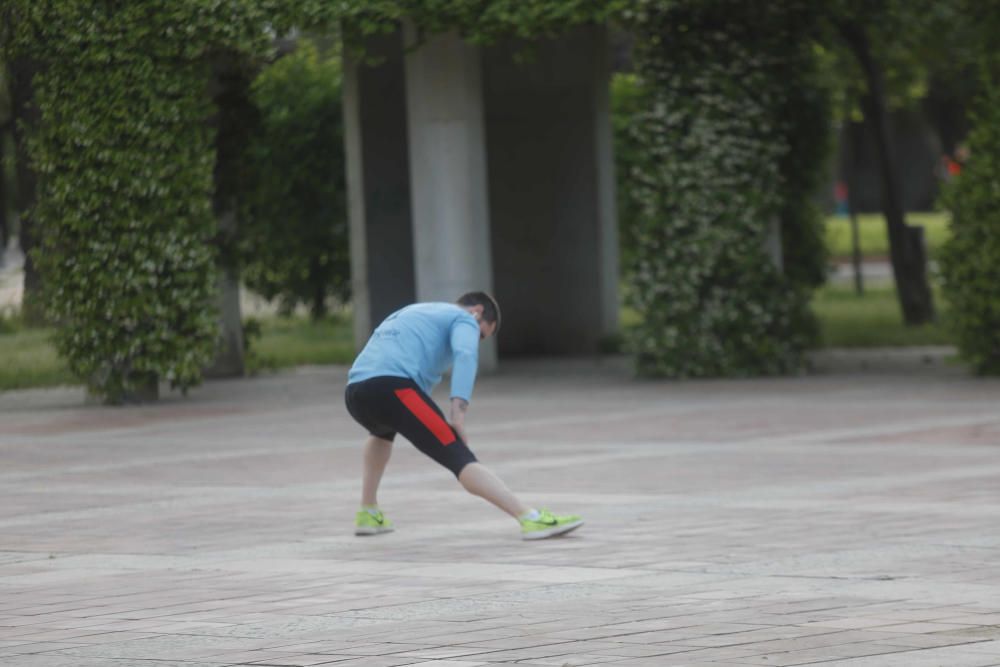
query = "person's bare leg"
{"x": 480, "y": 481}
{"x": 377, "y": 453}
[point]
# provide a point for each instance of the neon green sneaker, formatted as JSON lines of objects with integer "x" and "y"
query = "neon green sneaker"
{"x": 548, "y": 525}
{"x": 369, "y": 523}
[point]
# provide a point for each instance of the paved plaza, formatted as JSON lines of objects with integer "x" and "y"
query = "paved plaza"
{"x": 846, "y": 518}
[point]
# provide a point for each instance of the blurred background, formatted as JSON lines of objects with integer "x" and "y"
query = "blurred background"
{"x": 711, "y": 187}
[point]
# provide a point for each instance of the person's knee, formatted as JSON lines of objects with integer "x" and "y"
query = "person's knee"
{"x": 465, "y": 469}
{"x": 463, "y": 465}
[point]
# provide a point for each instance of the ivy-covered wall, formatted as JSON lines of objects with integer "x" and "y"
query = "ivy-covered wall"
{"x": 970, "y": 260}
{"x": 125, "y": 158}
{"x": 724, "y": 161}
{"x": 478, "y": 22}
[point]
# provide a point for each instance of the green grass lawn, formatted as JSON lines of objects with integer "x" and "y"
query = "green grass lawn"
{"x": 28, "y": 358}
{"x": 873, "y": 235}
{"x": 873, "y": 320}
{"x": 296, "y": 341}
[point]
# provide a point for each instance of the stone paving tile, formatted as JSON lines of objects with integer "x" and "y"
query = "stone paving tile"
{"x": 36, "y": 647}
{"x": 836, "y": 519}
{"x": 576, "y": 660}
{"x": 240, "y": 656}
{"x": 49, "y": 660}
{"x": 936, "y": 640}
{"x": 827, "y": 654}
{"x": 940, "y": 657}
{"x": 298, "y": 660}
{"x": 443, "y": 652}
{"x": 991, "y": 647}
{"x": 864, "y": 649}
{"x": 372, "y": 661}
{"x": 172, "y": 647}
{"x": 529, "y": 653}
{"x": 674, "y": 660}
{"x": 924, "y": 628}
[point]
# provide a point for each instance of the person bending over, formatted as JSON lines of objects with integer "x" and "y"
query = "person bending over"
{"x": 388, "y": 392}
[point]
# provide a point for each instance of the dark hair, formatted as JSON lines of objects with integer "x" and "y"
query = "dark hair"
{"x": 491, "y": 309}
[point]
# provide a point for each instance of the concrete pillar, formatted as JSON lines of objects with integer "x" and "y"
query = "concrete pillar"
{"x": 447, "y": 157}
{"x": 608, "y": 254}
{"x": 552, "y": 194}
{"x": 378, "y": 185}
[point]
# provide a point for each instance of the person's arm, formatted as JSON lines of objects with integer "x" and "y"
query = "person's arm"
{"x": 457, "y": 419}
{"x": 465, "y": 362}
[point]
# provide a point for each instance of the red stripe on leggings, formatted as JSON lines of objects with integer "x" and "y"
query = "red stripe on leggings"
{"x": 427, "y": 416}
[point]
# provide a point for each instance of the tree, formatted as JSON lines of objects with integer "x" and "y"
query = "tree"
{"x": 233, "y": 123}
{"x": 906, "y": 244}
{"x": 294, "y": 238}
{"x": 6, "y": 124}
{"x": 896, "y": 49}
{"x": 21, "y": 69}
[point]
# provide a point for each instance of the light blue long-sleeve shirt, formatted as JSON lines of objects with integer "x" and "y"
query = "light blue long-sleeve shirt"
{"x": 421, "y": 342}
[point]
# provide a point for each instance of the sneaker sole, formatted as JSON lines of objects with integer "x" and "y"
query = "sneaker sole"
{"x": 367, "y": 531}
{"x": 551, "y": 532}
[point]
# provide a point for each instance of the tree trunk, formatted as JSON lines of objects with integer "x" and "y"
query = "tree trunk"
{"x": 233, "y": 122}
{"x": 906, "y": 243}
{"x": 4, "y": 197}
{"x": 25, "y": 113}
{"x": 229, "y": 356}
{"x": 318, "y": 307}
{"x": 6, "y": 125}
{"x": 854, "y": 139}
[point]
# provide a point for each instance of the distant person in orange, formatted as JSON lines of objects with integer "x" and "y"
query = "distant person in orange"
{"x": 840, "y": 199}
{"x": 951, "y": 167}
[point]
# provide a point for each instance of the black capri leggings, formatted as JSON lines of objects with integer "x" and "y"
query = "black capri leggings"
{"x": 390, "y": 405}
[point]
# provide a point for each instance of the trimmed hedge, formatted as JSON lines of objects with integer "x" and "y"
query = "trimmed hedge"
{"x": 124, "y": 154}
{"x": 970, "y": 259}
{"x": 723, "y": 162}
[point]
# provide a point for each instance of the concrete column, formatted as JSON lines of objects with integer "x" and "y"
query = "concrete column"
{"x": 447, "y": 157}
{"x": 608, "y": 254}
{"x": 378, "y": 185}
{"x": 552, "y": 194}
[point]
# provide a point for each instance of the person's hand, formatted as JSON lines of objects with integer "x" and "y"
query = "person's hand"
{"x": 460, "y": 430}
